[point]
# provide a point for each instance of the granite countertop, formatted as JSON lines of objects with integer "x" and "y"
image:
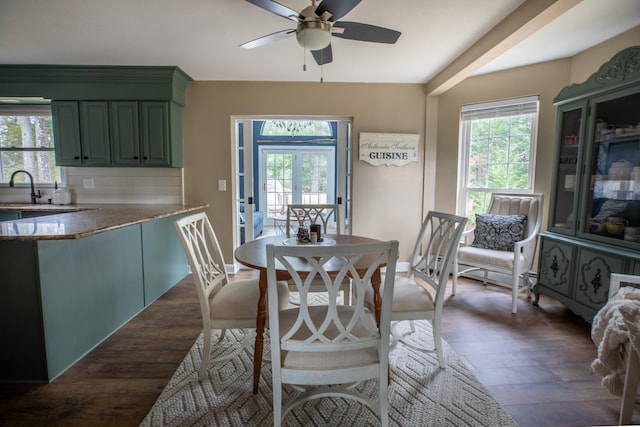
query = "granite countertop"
{"x": 76, "y": 221}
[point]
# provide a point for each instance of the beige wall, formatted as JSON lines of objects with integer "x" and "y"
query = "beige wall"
{"x": 545, "y": 80}
{"x": 387, "y": 201}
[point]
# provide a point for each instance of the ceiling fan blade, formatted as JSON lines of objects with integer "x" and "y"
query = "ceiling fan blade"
{"x": 323, "y": 56}
{"x": 337, "y": 8}
{"x": 268, "y": 39}
{"x": 365, "y": 32}
{"x": 277, "y": 8}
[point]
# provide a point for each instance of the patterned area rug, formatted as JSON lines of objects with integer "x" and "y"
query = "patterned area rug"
{"x": 420, "y": 394}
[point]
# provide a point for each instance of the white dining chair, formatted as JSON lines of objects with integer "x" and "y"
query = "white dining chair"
{"x": 326, "y": 215}
{"x": 224, "y": 304}
{"x": 324, "y": 350}
{"x": 420, "y": 294}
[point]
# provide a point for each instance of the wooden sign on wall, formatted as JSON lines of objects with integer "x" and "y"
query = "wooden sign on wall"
{"x": 396, "y": 149}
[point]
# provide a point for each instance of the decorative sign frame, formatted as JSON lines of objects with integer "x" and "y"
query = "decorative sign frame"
{"x": 396, "y": 149}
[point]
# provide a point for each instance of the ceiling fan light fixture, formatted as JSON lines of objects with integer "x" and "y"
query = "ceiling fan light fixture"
{"x": 314, "y": 35}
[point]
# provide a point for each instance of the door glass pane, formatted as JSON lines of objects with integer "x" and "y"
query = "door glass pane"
{"x": 614, "y": 197}
{"x": 314, "y": 178}
{"x": 279, "y": 185}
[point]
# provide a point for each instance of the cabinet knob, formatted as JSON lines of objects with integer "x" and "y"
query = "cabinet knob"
{"x": 135, "y": 157}
{"x": 86, "y": 157}
{"x": 76, "y": 157}
{"x": 145, "y": 157}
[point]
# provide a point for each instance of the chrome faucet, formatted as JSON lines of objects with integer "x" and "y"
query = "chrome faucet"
{"x": 34, "y": 195}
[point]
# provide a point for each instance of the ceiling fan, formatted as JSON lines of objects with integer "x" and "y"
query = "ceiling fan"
{"x": 318, "y": 23}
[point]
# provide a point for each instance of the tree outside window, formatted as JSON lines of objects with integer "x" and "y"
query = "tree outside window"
{"x": 497, "y": 142}
{"x": 26, "y": 143}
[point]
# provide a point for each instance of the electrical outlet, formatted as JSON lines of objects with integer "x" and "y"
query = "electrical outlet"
{"x": 88, "y": 183}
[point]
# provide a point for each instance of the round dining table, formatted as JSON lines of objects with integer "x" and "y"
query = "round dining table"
{"x": 253, "y": 254}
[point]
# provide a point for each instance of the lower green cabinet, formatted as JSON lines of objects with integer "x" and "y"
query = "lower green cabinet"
{"x": 578, "y": 272}
{"x": 61, "y": 298}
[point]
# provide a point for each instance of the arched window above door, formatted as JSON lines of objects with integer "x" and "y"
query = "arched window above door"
{"x": 296, "y": 128}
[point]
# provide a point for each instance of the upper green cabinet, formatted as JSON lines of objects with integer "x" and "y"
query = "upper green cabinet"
{"x": 108, "y": 116}
{"x": 66, "y": 131}
{"x": 117, "y": 133}
{"x": 94, "y": 133}
{"x": 125, "y": 132}
{"x": 141, "y": 134}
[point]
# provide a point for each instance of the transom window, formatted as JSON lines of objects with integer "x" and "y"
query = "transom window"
{"x": 296, "y": 128}
{"x": 497, "y": 146}
{"x": 26, "y": 143}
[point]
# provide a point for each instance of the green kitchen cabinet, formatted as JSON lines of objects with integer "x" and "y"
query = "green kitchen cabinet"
{"x": 9, "y": 215}
{"x": 108, "y": 116}
{"x": 594, "y": 217}
{"x": 66, "y": 132}
{"x": 94, "y": 133}
{"x": 81, "y": 132}
{"x": 146, "y": 133}
{"x": 125, "y": 133}
{"x": 61, "y": 298}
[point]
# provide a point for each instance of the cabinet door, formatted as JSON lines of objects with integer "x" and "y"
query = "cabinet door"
{"x": 155, "y": 134}
{"x": 612, "y": 204}
{"x": 125, "y": 133}
{"x": 9, "y": 215}
{"x": 567, "y": 180}
{"x": 94, "y": 128}
{"x": 555, "y": 266}
{"x": 66, "y": 133}
{"x": 593, "y": 276}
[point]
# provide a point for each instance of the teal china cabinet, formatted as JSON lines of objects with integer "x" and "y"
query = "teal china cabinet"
{"x": 594, "y": 217}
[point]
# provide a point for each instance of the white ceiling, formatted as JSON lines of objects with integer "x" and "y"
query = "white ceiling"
{"x": 203, "y": 36}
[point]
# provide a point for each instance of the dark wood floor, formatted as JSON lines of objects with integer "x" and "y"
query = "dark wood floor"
{"x": 535, "y": 363}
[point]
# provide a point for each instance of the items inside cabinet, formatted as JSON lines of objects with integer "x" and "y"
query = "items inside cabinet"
{"x": 567, "y": 168}
{"x": 614, "y": 198}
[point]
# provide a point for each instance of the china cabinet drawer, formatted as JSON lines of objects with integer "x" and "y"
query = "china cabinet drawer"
{"x": 593, "y": 275}
{"x": 555, "y": 266}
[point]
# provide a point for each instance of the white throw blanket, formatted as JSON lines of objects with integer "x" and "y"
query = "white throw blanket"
{"x": 617, "y": 323}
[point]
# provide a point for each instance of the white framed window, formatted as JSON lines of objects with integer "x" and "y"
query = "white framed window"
{"x": 497, "y": 151}
{"x": 26, "y": 143}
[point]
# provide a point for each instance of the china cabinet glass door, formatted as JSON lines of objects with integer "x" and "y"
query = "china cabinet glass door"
{"x": 567, "y": 179}
{"x": 612, "y": 202}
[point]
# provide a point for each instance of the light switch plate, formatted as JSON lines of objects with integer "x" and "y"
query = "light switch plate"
{"x": 88, "y": 183}
{"x": 222, "y": 185}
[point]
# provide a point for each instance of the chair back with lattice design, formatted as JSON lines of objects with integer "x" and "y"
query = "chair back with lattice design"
{"x": 205, "y": 257}
{"x": 331, "y": 344}
{"x": 434, "y": 251}
{"x": 328, "y": 215}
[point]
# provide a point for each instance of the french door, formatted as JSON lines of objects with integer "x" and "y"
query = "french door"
{"x": 295, "y": 175}
{"x": 254, "y": 192}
